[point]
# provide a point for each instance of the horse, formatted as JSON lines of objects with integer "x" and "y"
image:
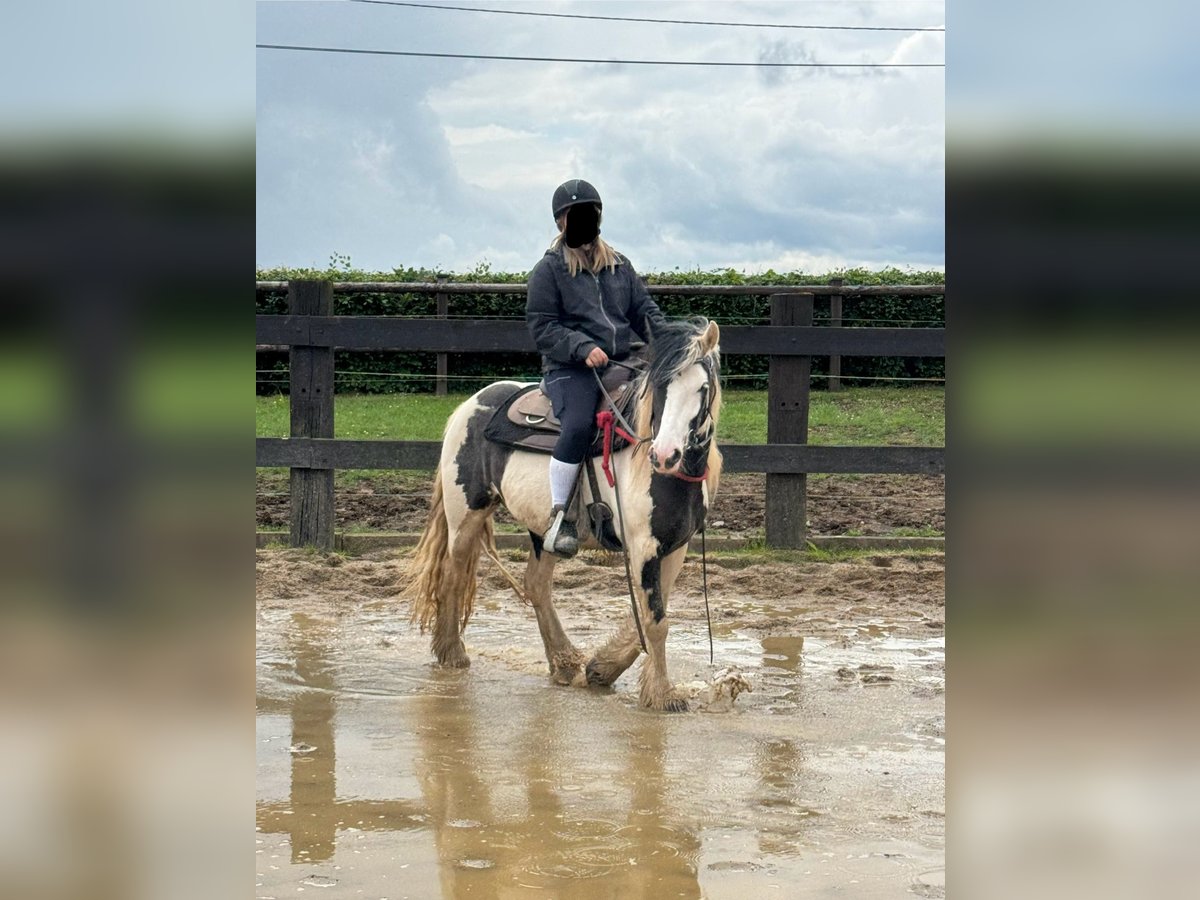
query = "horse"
{"x": 664, "y": 481}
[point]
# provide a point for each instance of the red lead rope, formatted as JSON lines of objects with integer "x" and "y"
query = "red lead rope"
{"x": 607, "y": 423}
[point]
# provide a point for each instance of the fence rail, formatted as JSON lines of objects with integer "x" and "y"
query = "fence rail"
{"x": 312, "y": 334}
{"x": 318, "y": 453}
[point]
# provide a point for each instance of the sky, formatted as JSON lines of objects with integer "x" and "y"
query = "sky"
{"x": 449, "y": 164}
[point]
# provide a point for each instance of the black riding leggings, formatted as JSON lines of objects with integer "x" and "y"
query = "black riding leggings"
{"x": 575, "y": 396}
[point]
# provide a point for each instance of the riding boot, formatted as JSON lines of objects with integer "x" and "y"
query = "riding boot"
{"x": 561, "y": 539}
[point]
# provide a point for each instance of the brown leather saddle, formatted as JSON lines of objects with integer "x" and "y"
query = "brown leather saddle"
{"x": 527, "y": 419}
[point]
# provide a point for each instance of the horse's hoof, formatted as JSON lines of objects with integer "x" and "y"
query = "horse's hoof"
{"x": 596, "y": 674}
{"x": 451, "y": 653}
{"x": 669, "y": 704}
{"x": 566, "y": 666}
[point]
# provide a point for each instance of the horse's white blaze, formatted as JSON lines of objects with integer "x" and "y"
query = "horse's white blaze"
{"x": 681, "y": 406}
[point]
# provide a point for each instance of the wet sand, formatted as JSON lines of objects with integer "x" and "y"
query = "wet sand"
{"x": 382, "y": 776}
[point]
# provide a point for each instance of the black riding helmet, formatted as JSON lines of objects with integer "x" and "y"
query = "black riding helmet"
{"x": 573, "y": 192}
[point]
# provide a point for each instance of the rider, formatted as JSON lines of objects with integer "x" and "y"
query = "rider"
{"x": 584, "y": 301}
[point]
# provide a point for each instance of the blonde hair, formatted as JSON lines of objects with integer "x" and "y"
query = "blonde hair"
{"x": 598, "y": 257}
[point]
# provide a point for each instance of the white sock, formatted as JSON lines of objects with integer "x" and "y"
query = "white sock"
{"x": 562, "y": 477}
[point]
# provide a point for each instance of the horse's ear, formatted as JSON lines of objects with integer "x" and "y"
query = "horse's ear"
{"x": 710, "y": 337}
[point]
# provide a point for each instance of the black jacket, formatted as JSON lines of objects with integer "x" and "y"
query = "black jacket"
{"x": 568, "y": 316}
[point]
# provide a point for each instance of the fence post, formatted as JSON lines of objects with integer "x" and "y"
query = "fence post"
{"x": 835, "y": 321}
{"x": 311, "y": 398}
{"x": 443, "y": 308}
{"x": 787, "y": 423}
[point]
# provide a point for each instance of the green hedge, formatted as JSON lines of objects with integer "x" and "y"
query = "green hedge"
{"x": 380, "y": 372}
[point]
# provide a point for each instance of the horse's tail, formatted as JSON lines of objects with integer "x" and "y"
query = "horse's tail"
{"x": 428, "y": 562}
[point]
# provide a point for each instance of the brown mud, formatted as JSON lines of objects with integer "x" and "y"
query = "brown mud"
{"x": 380, "y": 775}
{"x": 837, "y": 504}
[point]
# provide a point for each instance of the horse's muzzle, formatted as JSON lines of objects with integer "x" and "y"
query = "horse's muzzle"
{"x": 666, "y": 466}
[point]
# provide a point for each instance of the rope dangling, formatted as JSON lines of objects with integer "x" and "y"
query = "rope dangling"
{"x": 604, "y": 421}
{"x": 637, "y": 617}
{"x": 490, "y": 549}
{"x": 704, "y": 578}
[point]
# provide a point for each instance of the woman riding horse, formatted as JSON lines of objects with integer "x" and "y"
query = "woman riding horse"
{"x": 584, "y": 302}
{"x": 661, "y": 482}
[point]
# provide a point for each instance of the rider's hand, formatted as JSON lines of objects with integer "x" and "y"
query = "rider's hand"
{"x": 596, "y": 358}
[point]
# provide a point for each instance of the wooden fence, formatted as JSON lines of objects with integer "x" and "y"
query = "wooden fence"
{"x": 312, "y": 334}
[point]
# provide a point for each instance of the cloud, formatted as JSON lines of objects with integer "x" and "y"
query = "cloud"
{"x": 698, "y": 167}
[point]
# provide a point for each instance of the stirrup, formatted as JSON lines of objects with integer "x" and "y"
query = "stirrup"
{"x": 601, "y": 516}
{"x": 560, "y": 538}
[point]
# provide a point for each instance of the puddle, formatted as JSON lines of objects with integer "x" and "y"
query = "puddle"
{"x": 381, "y": 776}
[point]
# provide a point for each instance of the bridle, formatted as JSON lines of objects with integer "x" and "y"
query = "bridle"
{"x": 700, "y": 438}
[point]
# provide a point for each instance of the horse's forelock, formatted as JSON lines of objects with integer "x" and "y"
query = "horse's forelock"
{"x": 675, "y": 346}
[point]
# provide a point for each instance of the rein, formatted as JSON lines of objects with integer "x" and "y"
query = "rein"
{"x": 637, "y": 616}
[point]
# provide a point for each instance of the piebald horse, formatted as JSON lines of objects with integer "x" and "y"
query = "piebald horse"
{"x": 665, "y": 483}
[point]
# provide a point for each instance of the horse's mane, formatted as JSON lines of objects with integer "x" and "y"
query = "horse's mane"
{"x": 675, "y": 346}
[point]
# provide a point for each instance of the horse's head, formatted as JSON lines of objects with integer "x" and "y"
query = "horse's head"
{"x": 682, "y": 395}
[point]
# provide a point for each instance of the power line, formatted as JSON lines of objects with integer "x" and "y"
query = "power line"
{"x": 548, "y": 15}
{"x": 627, "y": 62}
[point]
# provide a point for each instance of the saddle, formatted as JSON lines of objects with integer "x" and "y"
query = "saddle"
{"x": 527, "y": 421}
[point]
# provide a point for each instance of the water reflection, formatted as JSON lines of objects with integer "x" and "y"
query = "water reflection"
{"x": 532, "y": 809}
{"x": 499, "y": 785}
{"x": 657, "y": 837}
{"x": 515, "y": 796}
{"x": 313, "y": 814}
{"x": 314, "y": 787}
{"x": 454, "y": 785}
{"x": 783, "y": 651}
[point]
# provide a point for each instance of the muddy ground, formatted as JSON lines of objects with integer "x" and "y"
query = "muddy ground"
{"x": 380, "y": 775}
{"x": 837, "y": 504}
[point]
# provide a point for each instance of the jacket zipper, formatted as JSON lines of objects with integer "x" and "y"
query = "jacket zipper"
{"x": 600, "y": 293}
